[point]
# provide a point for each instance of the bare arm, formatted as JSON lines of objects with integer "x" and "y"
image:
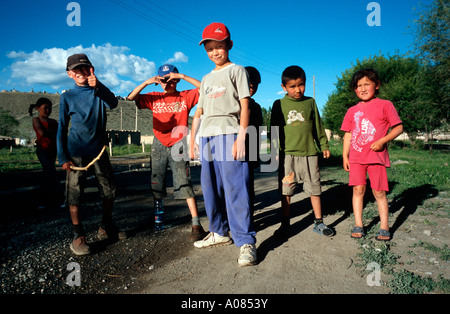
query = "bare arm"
{"x": 38, "y": 126}
{"x": 238, "y": 150}
{"x": 395, "y": 131}
{"x": 179, "y": 76}
{"x": 346, "y": 150}
{"x": 195, "y": 126}
{"x": 134, "y": 95}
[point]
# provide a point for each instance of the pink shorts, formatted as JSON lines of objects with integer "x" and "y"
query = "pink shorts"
{"x": 377, "y": 176}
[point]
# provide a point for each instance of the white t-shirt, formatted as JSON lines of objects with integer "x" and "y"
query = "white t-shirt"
{"x": 220, "y": 95}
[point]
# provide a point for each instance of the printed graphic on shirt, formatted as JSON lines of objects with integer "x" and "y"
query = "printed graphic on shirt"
{"x": 294, "y": 116}
{"x": 364, "y": 132}
{"x": 215, "y": 91}
{"x": 175, "y": 107}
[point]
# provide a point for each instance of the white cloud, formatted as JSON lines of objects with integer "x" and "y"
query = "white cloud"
{"x": 114, "y": 67}
{"x": 178, "y": 57}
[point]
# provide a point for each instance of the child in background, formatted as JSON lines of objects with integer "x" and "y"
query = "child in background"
{"x": 170, "y": 125}
{"x": 46, "y": 128}
{"x": 256, "y": 120}
{"x": 224, "y": 104}
{"x": 85, "y": 107}
{"x": 301, "y": 137}
{"x": 365, "y": 152}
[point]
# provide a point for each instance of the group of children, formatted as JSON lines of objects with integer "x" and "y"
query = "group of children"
{"x": 224, "y": 111}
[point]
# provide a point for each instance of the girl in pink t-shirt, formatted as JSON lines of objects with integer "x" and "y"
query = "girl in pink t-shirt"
{"x": 366, "y": 127}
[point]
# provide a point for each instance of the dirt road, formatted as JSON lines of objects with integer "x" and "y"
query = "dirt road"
{"x": 35, "y": 253}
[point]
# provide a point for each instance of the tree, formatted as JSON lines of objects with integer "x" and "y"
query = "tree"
{"x": 432, "y": 48}
{"x": 400, "y": 78}
{"x": 8, "y": 124}
{"x": 266, "y": 113}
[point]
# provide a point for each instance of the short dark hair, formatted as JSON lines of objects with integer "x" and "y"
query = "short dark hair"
{"x": 370, "y": 73}
{"x": 254, "y": 77}
{"x": 292, "y": 73}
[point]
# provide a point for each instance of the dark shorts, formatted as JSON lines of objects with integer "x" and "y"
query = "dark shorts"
{"x": 76, "y": 180}
{"x": 176, "y": 157}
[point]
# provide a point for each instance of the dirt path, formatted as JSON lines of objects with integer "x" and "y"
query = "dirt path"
{"x": 35, "y": 254}
{"x": 304, "y": 263}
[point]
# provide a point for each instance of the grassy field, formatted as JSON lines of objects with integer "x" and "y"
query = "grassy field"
{"x": 418, "y": 204}
{"x": 17, "y": 104}
{"x": 24, "y": 158}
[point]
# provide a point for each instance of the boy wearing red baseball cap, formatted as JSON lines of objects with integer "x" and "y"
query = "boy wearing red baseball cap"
{"x": 224, "y": 105}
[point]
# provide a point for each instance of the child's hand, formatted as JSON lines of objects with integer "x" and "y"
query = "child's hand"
{"x": 326, "y": 154}
{"x": 194, "y": 151}
{"x": 67, "y": 166}
{"x": 92, "y": 79}
{"x": 238, "y": 150}
{"x": 172, "y": 76}
{"x": 346, "y": 165}
{"x": 152, "y": 80}
{"x": 377, "y": 146}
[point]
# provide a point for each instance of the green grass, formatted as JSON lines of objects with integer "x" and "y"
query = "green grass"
{"x": 410, "y": 167}
{"x": 24, "y": 158}
{"x": 416, "y": 175}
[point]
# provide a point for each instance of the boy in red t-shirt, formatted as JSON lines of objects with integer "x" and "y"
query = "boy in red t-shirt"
{"x": 170, "y": 127}
{"x": 366, "y": 125}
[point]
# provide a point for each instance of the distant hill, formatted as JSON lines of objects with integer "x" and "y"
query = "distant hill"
{"x": 17, "y": 104}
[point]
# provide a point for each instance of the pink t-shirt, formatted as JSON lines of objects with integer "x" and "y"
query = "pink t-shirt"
{"x": 368, "y": 122}
{"x": 170, "y": 111}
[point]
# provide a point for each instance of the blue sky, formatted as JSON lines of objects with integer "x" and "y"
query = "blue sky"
{"x": 127, "y": 40}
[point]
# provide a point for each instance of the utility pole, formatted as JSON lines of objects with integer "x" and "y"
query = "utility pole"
{"x": 314, "y": 87}
{"x": 121, "y": 118}
{"x": 135, "y": 124}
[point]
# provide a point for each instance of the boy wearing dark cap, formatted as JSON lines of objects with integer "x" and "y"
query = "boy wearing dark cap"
{"x": 170, "y": 126}
{"x": 84, "y": 106}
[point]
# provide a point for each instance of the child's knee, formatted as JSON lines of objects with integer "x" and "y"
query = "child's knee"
{"x": 359, "y": 190}
{"x": 379, "y": 194}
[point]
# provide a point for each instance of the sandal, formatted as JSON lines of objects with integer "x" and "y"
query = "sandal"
{"x": 359, "y": 230}
{"x": 322, "y": 229}
{"x": 383, "y": 233}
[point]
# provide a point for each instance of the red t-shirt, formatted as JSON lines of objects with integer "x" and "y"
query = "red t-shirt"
{"x": 368, "y": 122}
{"x": 170, "y": 113}
{"x": 44, "y": 142}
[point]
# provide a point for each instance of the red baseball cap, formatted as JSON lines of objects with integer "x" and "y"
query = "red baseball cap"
{"x": 215, "y": 31}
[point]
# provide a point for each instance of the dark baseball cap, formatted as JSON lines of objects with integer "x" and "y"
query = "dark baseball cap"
{"x": 76, "y": 60}
{"x": 167, "y": 69}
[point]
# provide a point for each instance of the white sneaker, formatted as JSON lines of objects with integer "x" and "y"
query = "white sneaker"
{"x": 247, "y": 255}
{"x": 213, "y": 239}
